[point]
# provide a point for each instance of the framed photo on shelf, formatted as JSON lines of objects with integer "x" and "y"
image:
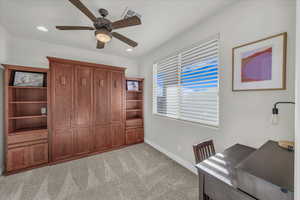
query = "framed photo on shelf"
{"x": 29, "y": 79}
{"x": 132, "y": 85}
{"x": 260, "y": 65}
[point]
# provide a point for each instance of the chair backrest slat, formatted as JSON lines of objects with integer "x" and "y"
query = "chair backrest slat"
{"x": 204, "y": 150}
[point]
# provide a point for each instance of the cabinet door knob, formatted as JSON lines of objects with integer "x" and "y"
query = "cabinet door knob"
{"x": 115, "y": 83}
{"x": 83, "y": 82}
{"x": 101, "y": 83}
{"x": 63, "y": 80}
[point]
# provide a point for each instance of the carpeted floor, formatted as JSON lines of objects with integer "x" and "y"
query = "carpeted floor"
{"x": 138, "y": 172}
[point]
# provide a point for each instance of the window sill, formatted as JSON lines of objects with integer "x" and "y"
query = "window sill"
{"x": 186, "y": 122}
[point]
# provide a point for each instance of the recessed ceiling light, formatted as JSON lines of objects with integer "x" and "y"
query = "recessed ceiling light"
{"x": 129, "y": 50}
{"x": 42, "y": 28}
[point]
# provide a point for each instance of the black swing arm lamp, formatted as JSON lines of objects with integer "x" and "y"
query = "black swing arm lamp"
{"x": 275, "y": 111}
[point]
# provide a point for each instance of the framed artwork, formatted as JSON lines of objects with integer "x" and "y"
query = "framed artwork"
{"x": 260, "y": 65}
{"x": 32, "y": 79}
{"x": 132, "y": 85}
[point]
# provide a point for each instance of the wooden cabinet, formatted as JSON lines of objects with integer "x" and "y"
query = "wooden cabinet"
{"x": 94, "y": 108}
{"x": 102, "y": 137}
{"x": 117, "y": 97}
{"x": 38, "y": 154}
{"x": 134, "y": 135}
{"x": 87, "y": 114}
{"x": 62, "y": 144}
{"x": 82, "y": 140}
{"x": 62, "y": 101}
{"x": 101, "y": 97}
{"x": 17, "y": 158}
{"x": 118, "y": 135}
{"x": 27, "y": 156}
{"x": 83, "y": 97}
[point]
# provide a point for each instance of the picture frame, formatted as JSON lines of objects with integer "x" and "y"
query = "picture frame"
{"x": 260, "y": 65}
{"x": 28, "y": 79}
{"x": 132, "y": 85}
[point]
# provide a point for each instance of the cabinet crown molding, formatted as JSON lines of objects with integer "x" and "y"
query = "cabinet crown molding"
{"x": 88, "y": 64}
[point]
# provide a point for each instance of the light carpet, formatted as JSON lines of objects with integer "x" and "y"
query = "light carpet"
{"x": 137, "y": 172}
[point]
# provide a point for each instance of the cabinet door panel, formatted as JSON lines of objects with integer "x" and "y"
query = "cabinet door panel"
{"x": 134, "y": 135}
{"x": 140, "y": 135}
{"x": 38, "y": 154}
{"x": 117, "y": 97}
{"x": 17, "y": 158}
{"x": 82, "y": 140}
{"x": 101, "y": 97}
{"x": 131, "y": 137}
{"x": 62, "y": 95}
{"x": 62, "y": 144}
{"x": 83, "y": 96}
{"x": 118, "y": 135}
{"x": 103, "y": 138}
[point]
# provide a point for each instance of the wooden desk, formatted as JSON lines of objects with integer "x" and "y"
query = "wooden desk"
{"x": 218, "y": 176}
{"x": 268, "y": 173}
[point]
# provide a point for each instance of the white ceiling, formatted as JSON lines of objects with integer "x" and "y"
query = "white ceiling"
{"x": 161, "y": 21}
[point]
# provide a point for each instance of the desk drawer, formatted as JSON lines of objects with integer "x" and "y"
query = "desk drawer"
{"x": 218, "y": 190}
{"x": 27, "y": 137}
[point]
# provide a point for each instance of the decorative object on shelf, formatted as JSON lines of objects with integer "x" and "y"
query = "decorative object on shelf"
{"x": 132, "y": 85}
{"x": 275, "y": 112}
{"x": 260, "y": 65}
{"x": 287, "y": 145}
{"x": 43, "y": 111}
{"x": 22, "y": 78}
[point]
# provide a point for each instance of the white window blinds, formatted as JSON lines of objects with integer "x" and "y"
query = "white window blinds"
{"x": 186, "y": 85}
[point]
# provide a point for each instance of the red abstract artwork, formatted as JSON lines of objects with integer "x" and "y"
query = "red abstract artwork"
{"x": 257, "y": 65}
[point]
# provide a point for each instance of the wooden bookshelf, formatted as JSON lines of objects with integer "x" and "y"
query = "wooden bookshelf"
{"x": 26, "y": 128}
{"x": 134, "y": 112}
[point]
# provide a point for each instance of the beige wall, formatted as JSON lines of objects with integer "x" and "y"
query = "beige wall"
{"x": 244, "y": 116}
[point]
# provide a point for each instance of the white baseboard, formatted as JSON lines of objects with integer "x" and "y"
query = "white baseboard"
{"x": 173, "y": 156}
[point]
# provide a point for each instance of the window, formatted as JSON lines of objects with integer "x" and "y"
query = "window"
{"x": 186, "y": 85}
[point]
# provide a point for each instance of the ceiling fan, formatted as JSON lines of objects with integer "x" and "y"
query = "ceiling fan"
{"x": 103, "y": 27}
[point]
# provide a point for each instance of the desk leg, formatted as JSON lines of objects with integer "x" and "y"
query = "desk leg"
{"x": 201, "y": 186}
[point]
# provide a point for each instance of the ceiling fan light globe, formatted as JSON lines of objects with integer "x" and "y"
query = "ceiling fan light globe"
{"x": 103, "y": 36}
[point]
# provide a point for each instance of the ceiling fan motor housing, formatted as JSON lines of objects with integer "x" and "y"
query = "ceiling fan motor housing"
{"x": 101, "y": 23}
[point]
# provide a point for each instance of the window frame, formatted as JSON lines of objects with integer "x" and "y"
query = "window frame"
{"x": 179, "y": 68}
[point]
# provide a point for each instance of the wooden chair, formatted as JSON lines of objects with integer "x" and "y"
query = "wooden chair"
{"x": 203, "y": 151}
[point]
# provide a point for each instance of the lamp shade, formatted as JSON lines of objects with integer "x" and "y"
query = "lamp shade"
{"x": 103, "y": 35}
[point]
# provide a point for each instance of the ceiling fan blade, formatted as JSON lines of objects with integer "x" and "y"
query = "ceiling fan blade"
{"x": 83, "y": 9}
{"x": 66, "y": 28}
{"x": 131, "y": 21}
{"x": 100, "y": 45}
{"x": 125, "y": 39}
